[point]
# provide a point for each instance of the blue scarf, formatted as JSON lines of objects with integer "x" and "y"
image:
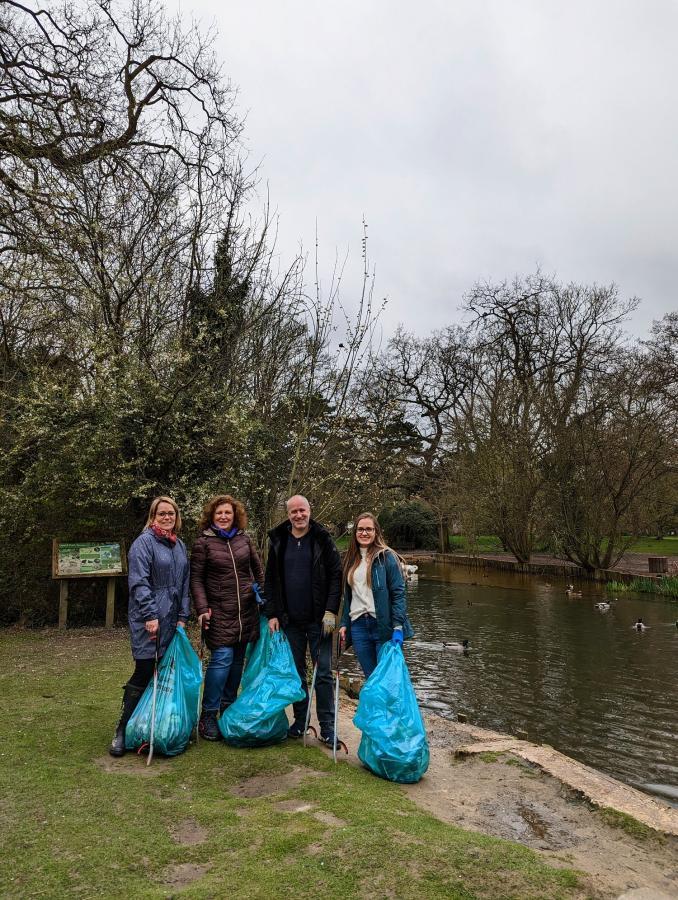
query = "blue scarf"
{"x": 227, "y": 535}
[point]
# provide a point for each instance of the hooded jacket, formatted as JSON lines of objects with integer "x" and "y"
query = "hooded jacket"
{"x": 390, "y": 600}
{"x": 222, "y": 573}
{"x": 325, "y": 574}
{"x": 158, "y": 589}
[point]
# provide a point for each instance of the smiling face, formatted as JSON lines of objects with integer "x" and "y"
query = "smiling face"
{"x": 299, "y": 514}
{"x": 223, "y": 516}
{"x": 364, "y": 532}
{"x": 165, "y": 516}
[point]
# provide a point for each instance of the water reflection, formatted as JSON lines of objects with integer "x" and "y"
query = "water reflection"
{"x": 570, "y": 675}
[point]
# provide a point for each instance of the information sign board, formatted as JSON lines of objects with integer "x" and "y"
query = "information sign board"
{"x": 88, "y": 559}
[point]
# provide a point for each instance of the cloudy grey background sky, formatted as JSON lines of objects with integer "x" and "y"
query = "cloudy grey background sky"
{"x": 479, "y": 138}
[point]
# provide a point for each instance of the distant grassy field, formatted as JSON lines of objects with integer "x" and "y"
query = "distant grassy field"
{"x": 214, "y": 822}
{"x": 488, "y": 543}
{"x": 484, "y": 543}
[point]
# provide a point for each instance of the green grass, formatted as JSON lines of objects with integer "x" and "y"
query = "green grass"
{"x": 667, "y": 546}
{"x": 489, "y": 756}
{"x": 71, "y": 827}
{"x": 489, "y": 543}
{"x": 483, "y": 543}
{"x": 627, "y": 823}
{"x": 664, "y": 587}
{"x": 342, "y": 542}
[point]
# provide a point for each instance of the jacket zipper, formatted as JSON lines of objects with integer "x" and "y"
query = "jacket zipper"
{"x": 237, "y": 587}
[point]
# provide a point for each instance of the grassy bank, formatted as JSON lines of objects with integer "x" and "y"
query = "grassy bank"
{"x": 663, "y": 587}
{"x": 281, "y": 821}
{"x": 488, "y": 543}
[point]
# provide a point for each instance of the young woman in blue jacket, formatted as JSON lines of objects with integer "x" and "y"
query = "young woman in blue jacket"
{"x": 375, "y": 605}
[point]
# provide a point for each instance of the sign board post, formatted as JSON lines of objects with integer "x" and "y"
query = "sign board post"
{"x": 87, "y": 559}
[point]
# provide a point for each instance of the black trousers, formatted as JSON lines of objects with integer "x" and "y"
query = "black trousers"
{"x": 143, "y": 672}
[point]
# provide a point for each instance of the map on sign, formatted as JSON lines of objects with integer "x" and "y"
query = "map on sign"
{"x": 87, "y": 558}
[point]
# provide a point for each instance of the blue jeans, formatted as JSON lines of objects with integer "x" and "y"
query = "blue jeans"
{"x": 222, "y": 678}
{"x": 366, "y": 642}
{"x": 301, "y": 636}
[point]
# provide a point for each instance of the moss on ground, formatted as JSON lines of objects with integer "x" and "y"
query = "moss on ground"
{"x": 74, "y": 825}
{"x": 627, "y": 823}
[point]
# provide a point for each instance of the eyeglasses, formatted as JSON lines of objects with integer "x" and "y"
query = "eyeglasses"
{"x": 364, "y": 530}
{"x": 165, "y": 515}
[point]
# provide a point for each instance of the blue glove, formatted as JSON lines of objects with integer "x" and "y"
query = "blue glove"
{"x": 397, "y": 637}
{"x": 257, "y": 596}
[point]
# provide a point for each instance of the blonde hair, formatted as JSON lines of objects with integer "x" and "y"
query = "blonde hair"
{"x": 353, "y": 556}
{"x": 154, "y": 508}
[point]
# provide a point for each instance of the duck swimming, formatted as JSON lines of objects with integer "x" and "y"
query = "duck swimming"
{"x": 454, "y": 645}
{"x": 603, "y": 606}
{"x": 639, "y": 625}
{"x": 571, "y": 591}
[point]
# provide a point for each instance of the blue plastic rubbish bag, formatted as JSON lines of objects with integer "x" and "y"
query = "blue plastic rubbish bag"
{"x": 257, "y": 654}
{"x": 393, "y": 743}
{"x": 258, "y": 715}
{"x": 176, "y": 706}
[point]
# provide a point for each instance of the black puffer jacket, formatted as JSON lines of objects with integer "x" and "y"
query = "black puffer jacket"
{"x": 222, "y": 572}
{"x": 325, "y": 579}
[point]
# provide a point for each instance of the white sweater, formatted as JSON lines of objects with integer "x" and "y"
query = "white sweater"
{"x": 362, "y": 600}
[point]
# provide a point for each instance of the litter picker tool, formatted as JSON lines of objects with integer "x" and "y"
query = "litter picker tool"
{"x": 337, "y": 647}
{"x": 155, "y": 696}
{"x": 201, "y": 655}
{"x": 307, "y": 724}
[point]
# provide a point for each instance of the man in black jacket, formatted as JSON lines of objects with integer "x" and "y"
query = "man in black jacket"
{"x": 303, "y": 592}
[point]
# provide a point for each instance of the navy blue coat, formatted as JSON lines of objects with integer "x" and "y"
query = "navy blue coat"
{"x": 390, "y": 601}
{"x": 158, "y": 589}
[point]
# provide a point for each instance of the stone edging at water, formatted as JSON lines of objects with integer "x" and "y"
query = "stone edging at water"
{"x": 632, "y": 565}
{"x": 599, "y": 789}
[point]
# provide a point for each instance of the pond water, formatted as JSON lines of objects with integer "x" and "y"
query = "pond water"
{"x": 583, "y": 681}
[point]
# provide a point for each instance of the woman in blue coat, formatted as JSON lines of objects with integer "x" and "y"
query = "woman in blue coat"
{"x": 375, "y": 605}
{"x": 158, "y": 601}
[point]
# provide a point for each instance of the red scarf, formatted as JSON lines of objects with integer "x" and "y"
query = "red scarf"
{"x": 164, "y": 533}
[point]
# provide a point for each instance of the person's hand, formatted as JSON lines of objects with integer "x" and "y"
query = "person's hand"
{"x": 274, "y": 625}
{"x": 204, "y": 619}
{"x": 329, "y": 623}
{"x": 397, "y": 637}
{"x": 342, "y": 635}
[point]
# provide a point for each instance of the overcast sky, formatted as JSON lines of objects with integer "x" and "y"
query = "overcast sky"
{"x": 479, "y": 139}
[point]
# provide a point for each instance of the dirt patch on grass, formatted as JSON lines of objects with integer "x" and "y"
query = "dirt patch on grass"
{"x": 189, "y": 832}
{"x": 329, "y": 819}
{"x": 293, "y": 806}
{"x": 184, "y": 874}
{"x": 268, "y": 785}
{"x": 300, "y": 806}
{"x": 131, "y": 764}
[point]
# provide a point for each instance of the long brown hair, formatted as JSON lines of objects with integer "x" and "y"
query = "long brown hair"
{"x": 353, "y": 558}
{"x": 239, "y": 514}
{"x": 176, "y": 528}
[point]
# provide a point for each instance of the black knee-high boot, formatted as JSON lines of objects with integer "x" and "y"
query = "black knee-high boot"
{"x": 130, "y": 697}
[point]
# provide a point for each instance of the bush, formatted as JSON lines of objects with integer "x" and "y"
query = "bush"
{"x": 410, "y": 525}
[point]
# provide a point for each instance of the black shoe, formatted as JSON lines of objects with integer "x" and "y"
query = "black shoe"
{"x": 327, "y": 737}
{"x": 207, "y": 727}
{"x": 130, "y": 698}
{"x": 295, "y": 730}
